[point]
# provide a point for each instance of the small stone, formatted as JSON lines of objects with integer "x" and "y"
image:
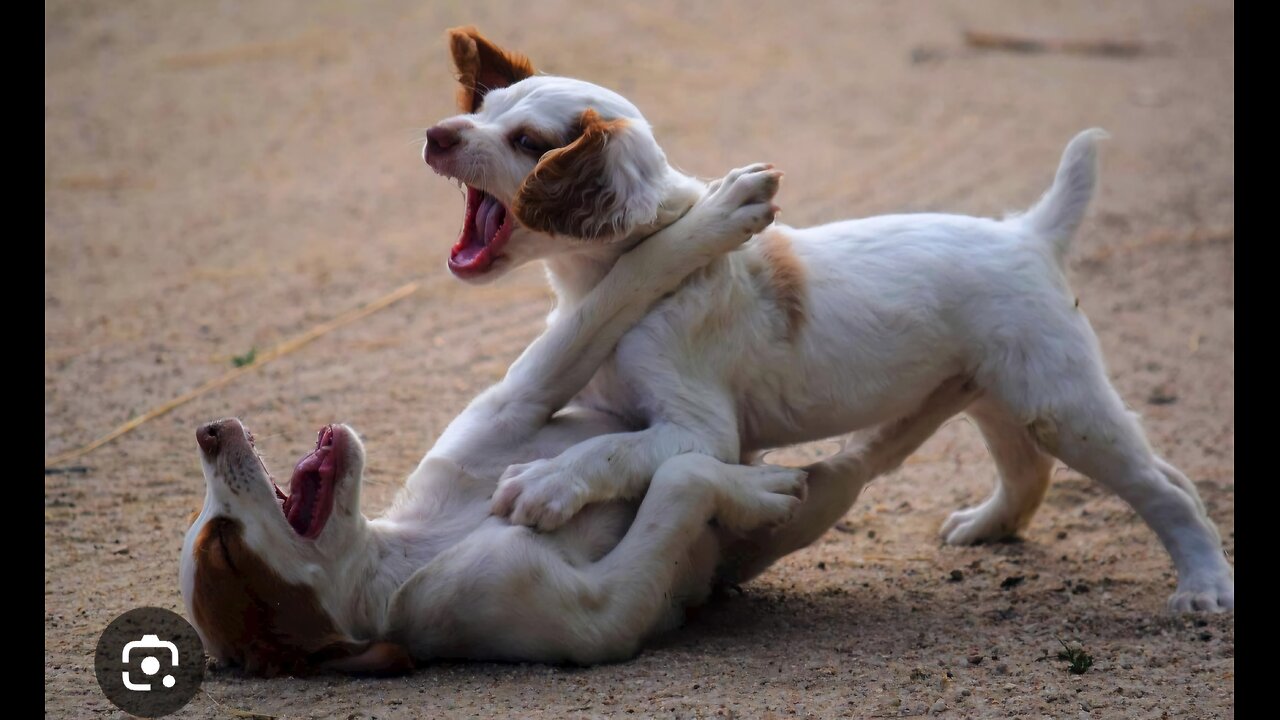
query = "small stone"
{"x": 1002, "y": 668}
{"x": 938, "y": 707}
{"x": 975, "y": 659}
{"x": 1012, "y": 581}
{"x": 955, "y": 576}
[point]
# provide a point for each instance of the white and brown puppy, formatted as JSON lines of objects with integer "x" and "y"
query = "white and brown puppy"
{"x": 304, "y": 582}
{"x": 802, "y": 334}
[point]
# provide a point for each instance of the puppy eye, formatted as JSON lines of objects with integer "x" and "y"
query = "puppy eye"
{"x": 530, "y": 145}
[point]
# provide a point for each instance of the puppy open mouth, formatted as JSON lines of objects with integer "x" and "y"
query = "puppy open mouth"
{"x": 486, "y": 228}
{"x": 311, "y": 489}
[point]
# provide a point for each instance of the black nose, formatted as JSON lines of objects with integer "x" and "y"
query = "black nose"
{"x": 441, "y": 139}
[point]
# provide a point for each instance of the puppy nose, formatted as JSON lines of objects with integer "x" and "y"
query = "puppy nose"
{"x": 210, "y": 437}
{"x": 440, "y": 139}
{"x": 207, "y": 437}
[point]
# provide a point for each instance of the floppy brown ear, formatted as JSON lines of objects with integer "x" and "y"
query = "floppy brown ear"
{"x": 599, "y": 186}
{"x": 483, "y": 66}
{"x": 379, "y": 658}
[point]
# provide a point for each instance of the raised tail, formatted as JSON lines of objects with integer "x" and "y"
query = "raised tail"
{"x": 1056, "y": 216}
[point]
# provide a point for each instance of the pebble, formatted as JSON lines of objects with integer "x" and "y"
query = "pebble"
{"x": 938, "y": 707}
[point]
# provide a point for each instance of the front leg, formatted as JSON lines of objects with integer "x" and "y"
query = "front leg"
{"x": 506, "y": 594}
{"x": 545, "y": 494}
{"x": 561, "y": 361}
{"x": 666, "y": 559}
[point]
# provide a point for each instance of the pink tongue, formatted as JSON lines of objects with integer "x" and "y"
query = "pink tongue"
{"x": 478, "y": 239}
{"x": 492, "y": 220}
{"x": 306, "y": 487}
{"x": 485, "y": 227}
{"x": 320, "y": 461}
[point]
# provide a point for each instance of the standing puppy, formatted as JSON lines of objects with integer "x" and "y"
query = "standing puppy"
{"x": 802, "y": 334}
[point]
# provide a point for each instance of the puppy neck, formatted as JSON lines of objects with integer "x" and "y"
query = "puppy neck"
{"x": 440, "y": 505}
{"x": 572, "y": 275}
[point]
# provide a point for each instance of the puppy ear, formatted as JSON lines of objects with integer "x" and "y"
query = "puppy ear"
{"x": 483, "y": 66}
{"x": 598, "y": 187}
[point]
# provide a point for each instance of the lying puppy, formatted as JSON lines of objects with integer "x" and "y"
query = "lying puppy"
{"x": 802, "y": 334}
{"x": 301, "y": 583}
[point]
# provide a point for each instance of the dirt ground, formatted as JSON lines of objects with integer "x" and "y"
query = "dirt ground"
{"x": 222, "y": 176}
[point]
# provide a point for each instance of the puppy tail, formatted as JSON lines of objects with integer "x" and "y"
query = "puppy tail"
{"x": 1058, "y": 214}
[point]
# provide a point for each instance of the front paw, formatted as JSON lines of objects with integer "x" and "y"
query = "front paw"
{"x": 1212, "y": 592}
{"x": 541, "y": 494}
{"x": 761, "y": 497}
{"x": 740, "y": 205}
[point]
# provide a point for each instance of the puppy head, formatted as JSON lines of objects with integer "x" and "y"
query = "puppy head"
{"x": 551, "y": 165}
{"x": 262, "y": 572}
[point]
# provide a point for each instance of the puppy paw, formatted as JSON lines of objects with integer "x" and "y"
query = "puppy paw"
{"x": 988, "y": 522}
{"x": 767, "y": 496}
{"x": 1210, "y": 592}
{"x": 541, "y": 495}
{"x": 739, "y": 205}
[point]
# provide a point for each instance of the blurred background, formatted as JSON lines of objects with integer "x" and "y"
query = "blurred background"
{"x": 223, "y": 176}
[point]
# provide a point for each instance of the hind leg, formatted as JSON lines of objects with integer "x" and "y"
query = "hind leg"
{"x": 1023, "y": 477}
{"x": 835, "y": 483}
{"x": 1083, "y": 422}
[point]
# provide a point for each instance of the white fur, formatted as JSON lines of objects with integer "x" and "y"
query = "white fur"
{"x": 893, "y": 306}
{"x": 440, "y": 575}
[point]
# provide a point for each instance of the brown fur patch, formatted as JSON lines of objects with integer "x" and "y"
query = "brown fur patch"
{"x": 253, "y": 617}
{"x": 483, "y": 66}
{"x": 786, "y": 278}
{"x": 559, "y": 193}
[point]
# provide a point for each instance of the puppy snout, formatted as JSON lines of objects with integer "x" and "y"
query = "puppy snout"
{"x": 211, "y": 437}
{"x": 441, "y": 139}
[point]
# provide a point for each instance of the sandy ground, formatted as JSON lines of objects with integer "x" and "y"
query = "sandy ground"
{"x": 221, "y": 176}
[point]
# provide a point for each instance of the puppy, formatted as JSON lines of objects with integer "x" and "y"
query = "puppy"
{"x": 802, "y": 334}
{"x": 303, "y": 583}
